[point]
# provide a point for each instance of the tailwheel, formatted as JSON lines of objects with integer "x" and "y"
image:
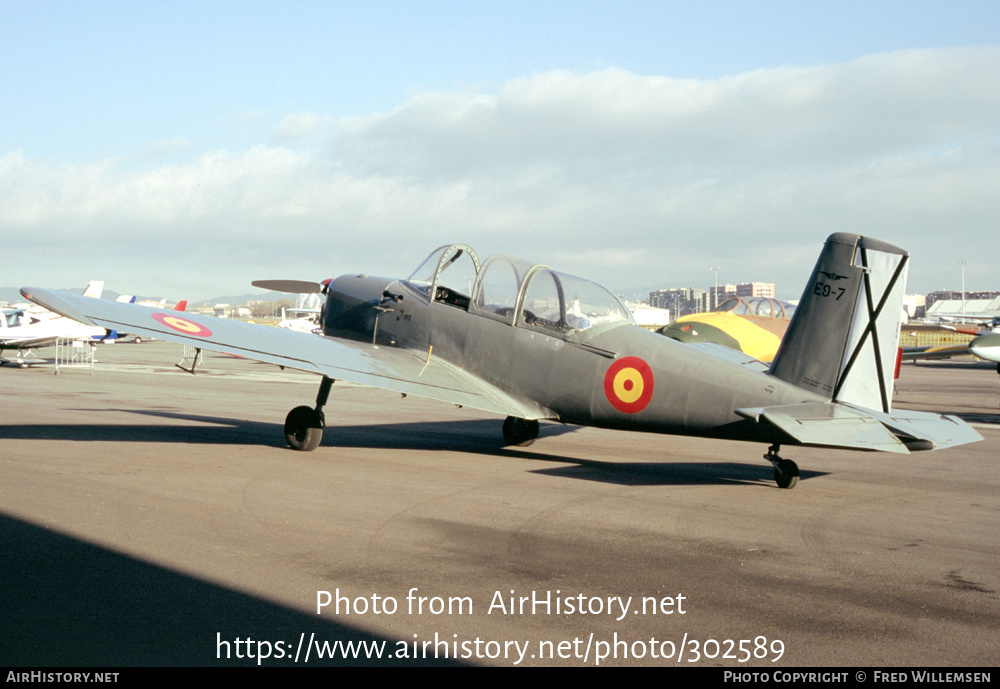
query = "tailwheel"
{"x": 304, "y": 428}
{"x": 786, "y": 472}
{"x": 520, "y": 432}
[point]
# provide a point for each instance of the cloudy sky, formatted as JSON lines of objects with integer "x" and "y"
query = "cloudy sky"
{"x": 183, "y": 149}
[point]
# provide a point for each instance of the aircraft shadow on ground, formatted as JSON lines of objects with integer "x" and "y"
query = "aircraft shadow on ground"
{"x": 209, "y": 430}
{"x": 977, "y": 417}
{"x": 66, "y": 603}
{"x": 673, "y": 473}
{"x": 951, "y": 364}
{"x": 474, "y": 436}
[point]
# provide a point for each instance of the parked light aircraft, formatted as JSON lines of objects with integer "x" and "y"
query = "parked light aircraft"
{"x": 304, "y": 317}
{"x": 985, "y": 346}
{"x": 755, "y": 326}
{"x": 25, "y": 329}
{"x": 752, "y": 325}
{"x": 530, "y": 343}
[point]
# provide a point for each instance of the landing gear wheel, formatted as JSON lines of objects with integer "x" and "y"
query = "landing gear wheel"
{"x": 304, "y": 428}
{"x": 786, "y": 473}
{"x": 520, "y": 432}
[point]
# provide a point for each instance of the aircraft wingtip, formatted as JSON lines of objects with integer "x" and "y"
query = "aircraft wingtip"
{"x": 27, "y": 292}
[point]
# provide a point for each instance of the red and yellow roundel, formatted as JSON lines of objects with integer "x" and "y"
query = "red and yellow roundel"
{"x": 182, "y": 325}
{"x": 628, "y": 384}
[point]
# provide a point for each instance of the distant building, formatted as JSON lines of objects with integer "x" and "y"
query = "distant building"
{"x": 914, "y": 305}
{"x": 747, "y": 289}
{"x": 681, "y": 301}
{"x": 940, "y": 295}
{"x": 948, "y": 295}
{"x": 973, "y": 309}
{"x": 755, "y": 289}
{"x": 688, "y": 300}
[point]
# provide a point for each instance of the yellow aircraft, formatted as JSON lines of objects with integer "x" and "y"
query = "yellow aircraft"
{"x": 752, "y": 325}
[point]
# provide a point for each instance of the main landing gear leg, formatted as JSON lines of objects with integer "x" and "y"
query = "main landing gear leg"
{"x": 786, "y": 472}
{"x": 521, "y": 432}
{"x": 304, "y": 425}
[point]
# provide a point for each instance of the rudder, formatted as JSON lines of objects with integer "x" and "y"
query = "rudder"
{"x": 843, "y": 337}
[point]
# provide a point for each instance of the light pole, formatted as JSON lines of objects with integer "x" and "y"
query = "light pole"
{"x": 715, "y": 294}
{"x": 963, "y": 262}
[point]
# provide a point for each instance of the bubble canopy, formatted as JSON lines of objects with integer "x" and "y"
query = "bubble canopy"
{"x": 757, "y": 306}
{"x": 518, "y": 292}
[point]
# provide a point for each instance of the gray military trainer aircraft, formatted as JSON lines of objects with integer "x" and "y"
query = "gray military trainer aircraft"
{"x": 530, "y": 343}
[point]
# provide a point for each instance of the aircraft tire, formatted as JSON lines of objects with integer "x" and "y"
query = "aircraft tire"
{"x": 786, "y": 473}
{"x": 304, "y": 428}
{"x": 520, "y": 432}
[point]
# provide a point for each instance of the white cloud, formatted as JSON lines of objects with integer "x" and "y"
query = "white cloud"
{"x": 165, "y": 147}
{"x": 302, "y": 126}
{"x": 624, "y": 178}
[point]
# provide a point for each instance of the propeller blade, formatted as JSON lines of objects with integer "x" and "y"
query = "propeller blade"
{"x": 291, "y": 286}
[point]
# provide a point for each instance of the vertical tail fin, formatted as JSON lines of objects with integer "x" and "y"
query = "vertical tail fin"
{"x": 94, "y": 289}
{"x": 843, "y": 337}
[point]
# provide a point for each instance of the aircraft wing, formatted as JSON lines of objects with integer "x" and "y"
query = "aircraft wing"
{"x": 402, "y": 370}
{"x": 27, "y": 342}
{"x": 985, "y": 346}
{"x": 846, "y": 426}
{"x": 925, "y": 431}
{"x": 933, "y": 353}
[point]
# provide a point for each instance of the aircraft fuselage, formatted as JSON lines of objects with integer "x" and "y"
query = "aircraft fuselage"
{"x": 623, "y": 378}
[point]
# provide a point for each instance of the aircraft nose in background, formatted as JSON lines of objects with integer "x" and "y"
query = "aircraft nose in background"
{"x": 986, "y": 347}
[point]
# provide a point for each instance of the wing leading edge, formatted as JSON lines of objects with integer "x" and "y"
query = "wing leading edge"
{"x": 399, "y": 370}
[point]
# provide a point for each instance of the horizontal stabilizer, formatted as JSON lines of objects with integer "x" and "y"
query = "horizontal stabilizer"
{"x": 827, "y": 425}
{"x": 844, "y": 426}
{"x": 926, "y": 431}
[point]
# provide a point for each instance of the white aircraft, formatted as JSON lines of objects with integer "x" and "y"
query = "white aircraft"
{"x": 25, "y": 329}
{"x": 304, "y": 317}
{"x": 987, "y": 347}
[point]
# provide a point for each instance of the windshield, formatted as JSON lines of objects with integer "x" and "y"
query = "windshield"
{"x": 454, "y": 267}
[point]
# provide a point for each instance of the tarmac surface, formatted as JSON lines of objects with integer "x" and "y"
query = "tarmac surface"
{"x": 152, "y": 517}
